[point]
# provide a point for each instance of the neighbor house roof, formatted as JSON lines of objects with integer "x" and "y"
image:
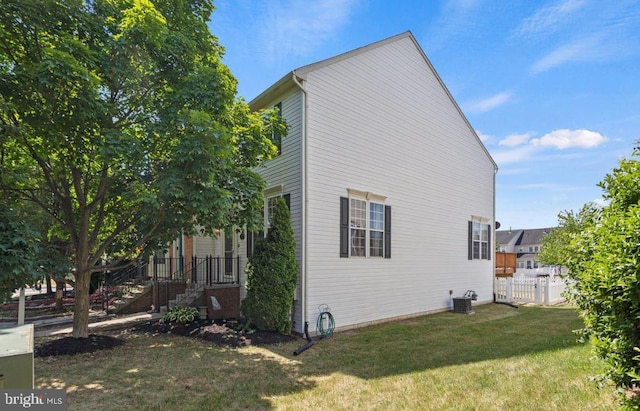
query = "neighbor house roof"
{"x": 507, "y": 236}
{"x": 534, "y": 236}
{"x": 528, "y": 236}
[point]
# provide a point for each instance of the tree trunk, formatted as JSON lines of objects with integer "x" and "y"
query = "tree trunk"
{"x": 59, "y": 295}
{"x": 49, "y": 289}
{"x": 81, "y": 307}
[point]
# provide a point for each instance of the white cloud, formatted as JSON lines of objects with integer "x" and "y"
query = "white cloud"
{"x": 514, "y": 155}
{"x": 489, "y": 103}
{"x": 548, "y": 18}
{"x": 583, "y": 31}
{"x": 485, "y": 138}
{"x": 586, "y": 49}
{"x": 294, "y": 27}
{"x": 457, "y": 18}
{"x": 513, "y": 140}
{"x": 563, "y": 139}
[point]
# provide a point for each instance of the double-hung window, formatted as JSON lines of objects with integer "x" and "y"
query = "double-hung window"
{"x": 376, "y": 229}
{"x": 365, "y": 226}
{"x": 479, "y": 239}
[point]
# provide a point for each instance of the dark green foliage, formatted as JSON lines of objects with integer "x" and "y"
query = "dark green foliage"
{"x": 18, "y": 251}
{"x": 605, "y": 264}
{"x": 272, "y": 274}
{"x": 556, "y": 244}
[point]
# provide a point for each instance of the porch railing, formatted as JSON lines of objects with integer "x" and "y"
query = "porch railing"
{"x": 207, "y": 270}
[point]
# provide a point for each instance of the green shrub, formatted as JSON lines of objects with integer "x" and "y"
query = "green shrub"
{"x": 272, "y": 274}
{"x": 605, "y": 267}
{"x": 182, "y": 315}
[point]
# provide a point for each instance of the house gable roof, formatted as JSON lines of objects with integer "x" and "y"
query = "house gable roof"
{"x": 534, "y": 236}
{"x": 287, "y": 82}
{"x": 530, "y": 236}
{"x": 506, "y": 237}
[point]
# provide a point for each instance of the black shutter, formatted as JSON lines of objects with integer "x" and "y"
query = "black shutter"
{"x": 387, "y": 231}
{"x": 250, "y": 243}
{"x": 470, "y": 240}
{"x": 489, "y": 249}
{"x": 287, "y": 199}
{"x": 344, "y": 227}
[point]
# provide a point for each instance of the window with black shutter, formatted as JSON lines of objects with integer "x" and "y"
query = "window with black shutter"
{"x": 365, "y": 226}
{"x": 479, "y": 240}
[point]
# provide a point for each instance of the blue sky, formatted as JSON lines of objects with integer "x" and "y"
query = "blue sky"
{"x": 551, "y": 87}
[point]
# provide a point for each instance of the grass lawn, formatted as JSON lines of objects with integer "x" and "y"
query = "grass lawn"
{"x": 499, "y": 358}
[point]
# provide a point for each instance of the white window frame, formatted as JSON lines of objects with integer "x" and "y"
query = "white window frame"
{"x": 480, "y": 239}
{"x": 271, "y": 196}
{"x": 355, "y": 221}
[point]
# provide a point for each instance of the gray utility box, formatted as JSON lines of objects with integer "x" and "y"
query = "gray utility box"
{"x": 462, "y": 305}
{"x": 16, "y": 357}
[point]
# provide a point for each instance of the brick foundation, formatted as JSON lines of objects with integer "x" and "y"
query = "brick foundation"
{"x": 229, "y": 299}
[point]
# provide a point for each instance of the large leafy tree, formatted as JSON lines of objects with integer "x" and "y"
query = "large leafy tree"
{"x": 605, "y": 267}
{"x": 119, "y": 120}
{"x": 556, "y": 244}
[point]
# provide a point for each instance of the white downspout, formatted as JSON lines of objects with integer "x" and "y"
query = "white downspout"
{"x": 305, "y": 199}
{"x": 495, "y": 237}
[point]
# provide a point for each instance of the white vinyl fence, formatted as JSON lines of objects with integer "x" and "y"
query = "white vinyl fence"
{"x": 520, "y": 289}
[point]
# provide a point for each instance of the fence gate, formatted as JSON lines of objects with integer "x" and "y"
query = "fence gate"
{"x": 540, "y": 290}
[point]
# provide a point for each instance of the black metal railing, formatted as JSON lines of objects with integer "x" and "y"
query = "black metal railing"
{"x": 207, "y": 270}
{"x": 135, "y": 272}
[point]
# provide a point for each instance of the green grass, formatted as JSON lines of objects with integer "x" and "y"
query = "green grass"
{"x": 498, "y": 358}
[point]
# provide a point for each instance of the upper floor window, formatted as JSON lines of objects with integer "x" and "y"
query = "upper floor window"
{"x": 365, "y": 226}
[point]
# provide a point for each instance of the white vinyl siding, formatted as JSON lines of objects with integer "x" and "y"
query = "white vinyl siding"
{"x": 204, "y": 246}
{"x": 286, "y": 170}
{"x": 434, "y": 172}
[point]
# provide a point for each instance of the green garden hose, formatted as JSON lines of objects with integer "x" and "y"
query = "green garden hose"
{"x": 325, "y": 324}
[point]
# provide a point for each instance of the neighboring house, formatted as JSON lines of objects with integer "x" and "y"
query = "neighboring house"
{"x": 525, "y": 243}
{"x": 391, "y": 191}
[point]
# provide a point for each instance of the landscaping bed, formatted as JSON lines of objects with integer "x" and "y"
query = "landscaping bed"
{"x": 222, "y": 334}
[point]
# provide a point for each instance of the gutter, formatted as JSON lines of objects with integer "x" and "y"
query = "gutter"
{"x": 305, "y": 195}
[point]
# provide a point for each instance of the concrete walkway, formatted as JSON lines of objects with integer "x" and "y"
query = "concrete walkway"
{"x": 57, "y": 326}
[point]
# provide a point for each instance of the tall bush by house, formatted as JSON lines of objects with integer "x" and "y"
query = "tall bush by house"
{"x": 272, "y": 274}
{"x": 605, "y": 267}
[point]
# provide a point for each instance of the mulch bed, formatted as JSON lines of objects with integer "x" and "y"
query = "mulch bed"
{"x": 220, "y": 334}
